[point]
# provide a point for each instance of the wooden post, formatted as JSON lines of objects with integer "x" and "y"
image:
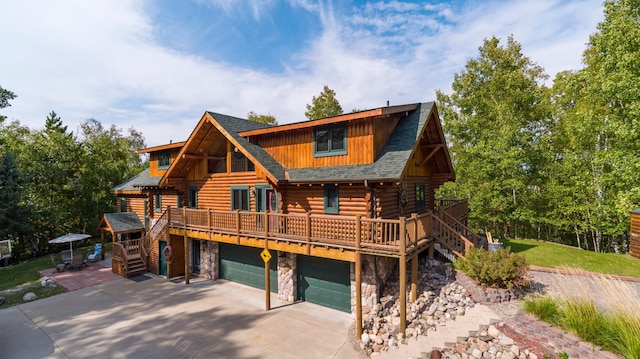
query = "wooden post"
{"x": 358, "y": 233}
{"x": 102, "y": 242}
{"x": 403, "y": 276}
{"x": 267, "y": 277}
{"x": 414, "y": 278}
{"x": 238, "y": 225}
{"x": 308, "y": 232}
{"x": 186, "y": 258}
{"x": 358, "y": 295}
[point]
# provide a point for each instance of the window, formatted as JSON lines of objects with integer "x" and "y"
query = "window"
{"x": 157, "y": 202}
{"x": 123, "y": 204}
{"x": 240, "y": 198}
{"x": 164, "y": 160}
{"x": 330, "y": 199}
{"x": 420, "y": 197}
{"x": 179, "y": 200}
{"x": 193, "y": 197}
{"x": 330, "y": 141}
{"x": 240, "y": 163}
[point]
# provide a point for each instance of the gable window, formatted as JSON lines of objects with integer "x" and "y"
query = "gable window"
{"x": 157, "y": 202}
{"x": 240, "y": 163}
{"x": 240, "y": 198}
{"x": 193, "y": 197}
{"x": 420, "y": 197}
{"x": 164, "y": 160}
{"x": 330, "y": 199}
{"x": 329, "y": 141}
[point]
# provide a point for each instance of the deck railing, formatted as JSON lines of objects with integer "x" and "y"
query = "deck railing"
{"x": 345, "y": 232}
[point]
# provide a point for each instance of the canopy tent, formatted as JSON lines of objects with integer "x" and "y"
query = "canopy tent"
{"x": 69, "y": 238}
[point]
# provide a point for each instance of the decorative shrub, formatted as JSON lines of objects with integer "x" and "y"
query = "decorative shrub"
{"x": 497, "y": 269}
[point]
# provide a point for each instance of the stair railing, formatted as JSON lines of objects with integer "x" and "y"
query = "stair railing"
{"x": 455, "y": 241}
{"x": 461, "y": 228}
{"x": 119, "y": 253}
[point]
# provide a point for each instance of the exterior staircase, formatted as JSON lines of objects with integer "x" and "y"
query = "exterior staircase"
{"x": 129, "y": 258}
{"x": 135, "y": 266}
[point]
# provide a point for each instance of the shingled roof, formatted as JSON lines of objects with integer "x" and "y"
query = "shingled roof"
{"x": 233, "y": 125}
{"x": 390, "y": 162}
{"x": 142, "y": 179}
{"x": 121, "y": 222}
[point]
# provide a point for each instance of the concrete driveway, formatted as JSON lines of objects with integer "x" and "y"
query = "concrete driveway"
{"x": 157, "y": 318}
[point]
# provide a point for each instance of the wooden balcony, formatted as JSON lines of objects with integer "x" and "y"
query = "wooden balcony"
{"x": 309, "y": 233}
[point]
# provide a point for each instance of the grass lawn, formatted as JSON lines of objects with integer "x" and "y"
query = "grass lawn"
{"x": 550, "y": 255}
{"x": 15, "y": 297}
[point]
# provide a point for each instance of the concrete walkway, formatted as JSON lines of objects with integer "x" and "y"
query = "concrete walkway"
{"x": 152, "y": 317}
{"x": 480, "y": 316}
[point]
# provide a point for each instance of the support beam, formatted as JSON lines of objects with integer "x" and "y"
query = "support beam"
{"x": 403, "y": 275}
{"x": 267, "y": 279}
{"x": 430, "y": 251}
{"x": 102, "y": 242}
{"x": 414, "y": 278}
{"x": 403, "y": 294}
{"x": 358, "y": 299}
{"x": 433, "y": 152}
{"x": 186, "y": 260}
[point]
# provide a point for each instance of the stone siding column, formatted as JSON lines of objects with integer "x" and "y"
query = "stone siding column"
{"x": 287, "y": 276}
{"x": 209, "y": 259}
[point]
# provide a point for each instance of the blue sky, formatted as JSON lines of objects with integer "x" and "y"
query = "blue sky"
{"x": 158, "y": 66}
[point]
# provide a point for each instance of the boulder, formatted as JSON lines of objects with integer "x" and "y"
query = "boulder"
{"x": 29, "y": 297}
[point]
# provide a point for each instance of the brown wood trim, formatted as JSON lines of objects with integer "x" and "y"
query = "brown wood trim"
{"x": 332, "y": 120}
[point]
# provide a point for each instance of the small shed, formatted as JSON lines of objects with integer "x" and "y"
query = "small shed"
{"x": 125, "y": 223}
{"x": 634, "y": 234}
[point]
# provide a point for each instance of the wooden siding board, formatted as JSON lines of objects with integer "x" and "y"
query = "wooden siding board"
{"x": 294, "y": 149}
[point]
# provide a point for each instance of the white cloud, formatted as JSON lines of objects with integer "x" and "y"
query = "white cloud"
{"x": 102, "y": 59}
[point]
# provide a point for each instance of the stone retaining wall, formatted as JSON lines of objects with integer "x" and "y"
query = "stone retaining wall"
{"x": 556, "y": 339}
{"x": 486, "y": 295}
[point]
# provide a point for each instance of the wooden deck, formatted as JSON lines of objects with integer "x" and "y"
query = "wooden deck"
{"x": 322, "y": 234}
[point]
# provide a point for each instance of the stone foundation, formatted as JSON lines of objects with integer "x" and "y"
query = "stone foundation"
{"x": 287, "y": 278}
{"x": 375, "y": 273}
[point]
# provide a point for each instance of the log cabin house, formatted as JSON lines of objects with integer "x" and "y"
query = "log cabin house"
{"x": 336, "y": 202}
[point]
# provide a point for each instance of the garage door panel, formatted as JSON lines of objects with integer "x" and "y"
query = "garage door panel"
{"x": 244, "y": 265}
{"x": 325, "y": 282}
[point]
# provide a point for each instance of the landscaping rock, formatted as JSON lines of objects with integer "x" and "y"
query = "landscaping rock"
{"x": 2, "y": 300}
{"x": 29, "y": 297}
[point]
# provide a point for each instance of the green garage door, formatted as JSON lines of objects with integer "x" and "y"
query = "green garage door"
{"x": 325, "y": 282}
{"x": 244, "y": 265}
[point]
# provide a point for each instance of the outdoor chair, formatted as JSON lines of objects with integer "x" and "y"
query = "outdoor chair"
{"x": 97, "y": 251}
{"x": 66, "y": 256}
{"x": 77, "y": 262}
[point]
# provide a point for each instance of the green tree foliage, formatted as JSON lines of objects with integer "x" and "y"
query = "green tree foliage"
{"x": 110, "y": 158}
{"x": 266, "y": 119}
{"x": 325, "y": 105}
{"x": 14, "y": 211}
{"x": 5, "y": 96}
{"x": 495, "y": 120}
{"x": 598, "y": 129}
{"x": 64, "y": 180}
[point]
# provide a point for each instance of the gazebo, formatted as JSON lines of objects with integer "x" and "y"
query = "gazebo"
{"x": 119, "y": 223}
